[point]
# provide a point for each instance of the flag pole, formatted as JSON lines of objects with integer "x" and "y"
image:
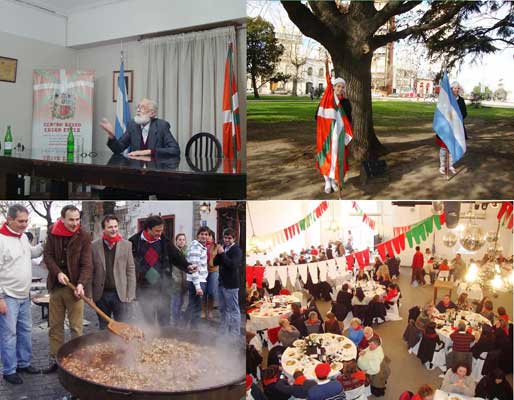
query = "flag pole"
{"x": 447, "y": 163}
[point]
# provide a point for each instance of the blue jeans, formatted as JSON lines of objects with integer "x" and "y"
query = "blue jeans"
{"x": 213, "y": 284}
{"x": 111, "y": 304}
{"x": 16, "y": 335}
{"x": 177, "y": 300}
{"x": 194, "y": 308}
{"x": 229, "y": 309}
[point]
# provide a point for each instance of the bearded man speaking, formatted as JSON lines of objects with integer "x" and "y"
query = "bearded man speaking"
{"x": 146, "y": 134}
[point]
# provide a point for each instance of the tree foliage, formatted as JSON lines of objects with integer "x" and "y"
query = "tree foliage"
{"x": 263, "y": 51}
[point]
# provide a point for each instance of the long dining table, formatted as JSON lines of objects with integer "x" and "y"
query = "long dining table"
{"x": 168, "y": 178}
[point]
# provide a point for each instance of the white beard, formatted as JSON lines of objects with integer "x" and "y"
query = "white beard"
{"x": 142, "y": 119}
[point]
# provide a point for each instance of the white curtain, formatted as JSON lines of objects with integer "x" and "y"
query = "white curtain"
{"x": 185, "y": 75}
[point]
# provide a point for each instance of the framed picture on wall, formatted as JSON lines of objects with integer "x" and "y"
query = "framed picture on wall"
{"x": 8, "y": 67}
{"x": 129, "y": 83}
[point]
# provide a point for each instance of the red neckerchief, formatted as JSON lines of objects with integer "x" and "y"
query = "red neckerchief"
{"x": 269, "y": 381}
{"x": 5, "y": 230}
{"x": 59, "y": 229}
{"x": 209, "y": 244}
{"x": 300, "y": 380}
{"x": 111, "y": 241}
{"x": 150, "y": 239}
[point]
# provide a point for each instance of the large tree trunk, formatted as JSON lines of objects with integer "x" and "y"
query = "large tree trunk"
{"x": 254, "y": 85}
{"x": 295, "y": 87}
{"x": 357, "y": 74}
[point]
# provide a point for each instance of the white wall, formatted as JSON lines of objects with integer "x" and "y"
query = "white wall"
{"x": 16, "y": 98}
{"x": 104, "y": 60}
{"x": 137, "y": 17}
{"x": 32, "y": 23}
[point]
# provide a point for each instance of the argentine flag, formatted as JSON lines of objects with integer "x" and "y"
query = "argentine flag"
{"x": 448, "y": 122}
{"x": 122, "y": 107}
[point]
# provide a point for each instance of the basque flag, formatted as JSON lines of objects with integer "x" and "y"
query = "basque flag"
{"x": 448, "y": 122}
{"x": 231, "y": 128}
{"x": 122, "y": 107}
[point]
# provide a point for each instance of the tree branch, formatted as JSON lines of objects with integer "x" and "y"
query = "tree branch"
{"x": 328, "y": 11}
{"x": 382, "y": 40}
{"x": 390, "y": 10}
{"x": 305, "y": 20}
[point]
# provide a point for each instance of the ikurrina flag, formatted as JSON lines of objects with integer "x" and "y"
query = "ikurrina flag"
{"x": 448, "y": 122}
{"x": 231, "y": 129}
{"x": 333, "y": 133}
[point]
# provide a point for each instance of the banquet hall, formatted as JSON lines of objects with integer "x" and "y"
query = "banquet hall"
{"x": 395, "y": 300}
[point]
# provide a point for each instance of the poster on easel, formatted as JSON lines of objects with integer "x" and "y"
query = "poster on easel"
{"x": 63, "y": 98}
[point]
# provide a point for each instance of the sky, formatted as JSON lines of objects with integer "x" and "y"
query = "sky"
{"x": 488, "y": 70}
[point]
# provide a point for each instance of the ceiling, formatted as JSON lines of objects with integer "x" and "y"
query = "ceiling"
{"x": 66, "y": 7}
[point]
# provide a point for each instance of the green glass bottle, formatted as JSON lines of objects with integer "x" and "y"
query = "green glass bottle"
{"x": 70, "y": 146}
{"x": 8, "y": 142}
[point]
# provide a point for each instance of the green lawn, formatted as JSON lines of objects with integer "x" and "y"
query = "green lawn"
{"x": 386, "y": 113}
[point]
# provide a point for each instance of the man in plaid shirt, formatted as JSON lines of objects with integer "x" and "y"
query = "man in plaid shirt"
{"x": 197, "y": 281}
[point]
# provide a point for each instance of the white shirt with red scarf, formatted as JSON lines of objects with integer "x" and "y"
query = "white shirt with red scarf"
{"x": 16, "y": 265}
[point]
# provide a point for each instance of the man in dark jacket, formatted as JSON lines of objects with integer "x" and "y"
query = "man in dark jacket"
{"x": 67, "y": 256}
{"x": 229, "y": 257}
{"x": 154, "y": 255}
{"x": 146, "y": 135}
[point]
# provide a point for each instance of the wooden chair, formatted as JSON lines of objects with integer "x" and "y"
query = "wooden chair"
{"x": 203, "y": 152}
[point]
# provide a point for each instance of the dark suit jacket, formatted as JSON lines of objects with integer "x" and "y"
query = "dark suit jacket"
{"x": 230, "y": 263}
{"x": 159, "y": 138}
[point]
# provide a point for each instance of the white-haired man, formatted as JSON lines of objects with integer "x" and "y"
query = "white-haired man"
{"x": 15, "y": 281}
{"x": 146, "y": 135}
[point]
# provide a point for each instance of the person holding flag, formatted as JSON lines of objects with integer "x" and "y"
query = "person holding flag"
{"x": 333, "y": 133}
{"x": 448, "y": 125}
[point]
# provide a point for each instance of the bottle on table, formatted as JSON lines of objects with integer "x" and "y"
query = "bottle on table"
{"x": 8, "y": 142}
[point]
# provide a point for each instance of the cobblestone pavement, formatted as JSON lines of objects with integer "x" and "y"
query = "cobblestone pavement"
{"x": 48, "y": 387}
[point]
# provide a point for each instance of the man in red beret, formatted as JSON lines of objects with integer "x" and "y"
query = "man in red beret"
{"x": 326, "y": 389}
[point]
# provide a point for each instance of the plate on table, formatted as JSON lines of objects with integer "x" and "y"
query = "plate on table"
{"x": 454, "y": 397}
{"x": 347, "y": 346}
{"x": 290, "y": 363}
{"x": 336, "y": 366}
{"x": 298, "y": 343}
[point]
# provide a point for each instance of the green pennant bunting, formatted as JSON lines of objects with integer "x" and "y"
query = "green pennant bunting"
{"x": 437, "y": 221}
{"x": 302, "y": 224}
{"x": 429, "y": 225}
{"x": 419, "y": 233}
{"x": 408, "y": 235}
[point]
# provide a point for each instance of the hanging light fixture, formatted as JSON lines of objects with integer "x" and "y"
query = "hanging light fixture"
{"x": 254, "y": 245}
{"x": 333, "y": 225}
{"x": 472, "y": 273}
{"x": 497, "y": 282}
{"x": 472, "y": 237}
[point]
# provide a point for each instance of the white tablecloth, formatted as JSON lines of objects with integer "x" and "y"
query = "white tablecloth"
{"x": 337, "y": 345}
{"x": 440, "y": 395}
{"x": 445, "y": 332}
{"x": 370, "y": 289}
{"x": 265, "y": 318}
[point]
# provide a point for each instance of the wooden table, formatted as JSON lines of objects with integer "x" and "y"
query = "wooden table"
{"x": 42, "y": 300}
{"x": 439, "y": 284}
{"x": 168, "y": 178}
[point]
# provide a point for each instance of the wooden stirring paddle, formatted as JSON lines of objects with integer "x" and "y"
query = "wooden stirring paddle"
{"x": 125, "y": 331}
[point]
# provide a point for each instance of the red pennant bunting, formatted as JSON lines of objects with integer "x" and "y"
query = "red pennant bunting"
{"x": 389, "y": 247}
{"x": 399, "y": 243}
{"x": 381, "y": 251}
{"x": 442, "y": 219}
{"x": 349, "y": 262}
{"x": 506, "y": 208}
{"x": 511, "y": 222}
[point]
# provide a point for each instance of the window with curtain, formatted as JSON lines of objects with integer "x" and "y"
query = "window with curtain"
{"x": 185, "y": 75}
